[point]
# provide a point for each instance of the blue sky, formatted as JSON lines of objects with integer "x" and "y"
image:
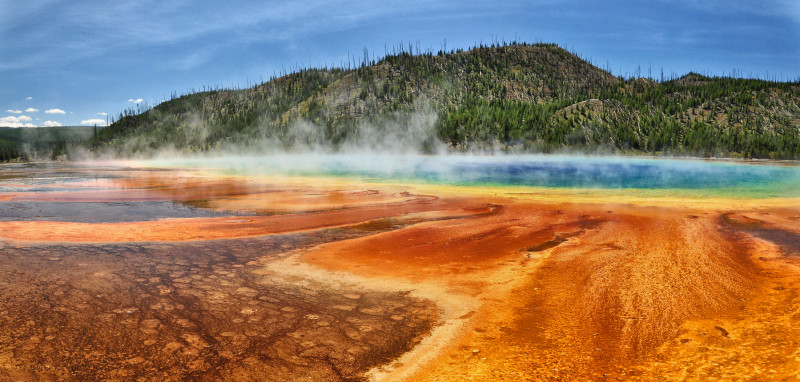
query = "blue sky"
{"x": 68, "y": 62}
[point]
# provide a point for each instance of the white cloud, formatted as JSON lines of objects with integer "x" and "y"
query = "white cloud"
{"x": 102, "y": 113}
{"x": 12, "y": 121}
{"x": 28, "y": 98}
{"x": 94, "y": 121}
{"x": 31, "y": 110}
{"x": 55, "y": 111}
{"x": 51, "y": 123}
{"x": 139, "y": 100}
{"x": 14, "y": 111}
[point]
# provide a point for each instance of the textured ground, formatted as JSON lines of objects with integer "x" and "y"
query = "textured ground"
{"x": 286, "y": 279}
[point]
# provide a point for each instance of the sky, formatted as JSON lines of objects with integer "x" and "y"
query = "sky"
{"x": 76, "y": 62}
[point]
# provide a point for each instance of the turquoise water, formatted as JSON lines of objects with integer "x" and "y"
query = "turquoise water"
{"x": 695, "y": 177}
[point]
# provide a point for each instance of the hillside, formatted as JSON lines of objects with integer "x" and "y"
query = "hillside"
{"x": 516, "y": 98}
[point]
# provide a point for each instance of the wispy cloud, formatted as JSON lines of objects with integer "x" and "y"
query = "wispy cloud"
{"x": 97, "y": 27}
{"x": 770, "y": 8}
{"x": 31, "y": 110}
{"x": 28, "y": 98}
{"x": 138, "y": 100}
{"x": 12, "y": 121}
{"x": 192, "y": 61}
{"x": 94, "y": 121}
{"x": 102, "y": 113}
{"x": 14, "y": 111}
{"x": 55, "y": 111}
{"x": 51, "y": 123}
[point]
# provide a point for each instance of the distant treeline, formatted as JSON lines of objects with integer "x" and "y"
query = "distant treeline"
{"x": 513, "y": 97}
{"x": 37, "y": 143}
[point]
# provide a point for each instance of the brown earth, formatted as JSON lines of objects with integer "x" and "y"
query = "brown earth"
{"x": 334, "y": 280}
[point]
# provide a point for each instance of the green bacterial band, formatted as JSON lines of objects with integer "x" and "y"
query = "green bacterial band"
{"x": 634, "y": 176}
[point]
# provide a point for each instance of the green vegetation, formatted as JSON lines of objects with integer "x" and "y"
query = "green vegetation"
{"x": 516, "y": 97}
{"x": 27, "y": 143}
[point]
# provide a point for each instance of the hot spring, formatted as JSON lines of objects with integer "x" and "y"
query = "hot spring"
{"x": 674, "y": 176}
{"x": 393, "y": 267}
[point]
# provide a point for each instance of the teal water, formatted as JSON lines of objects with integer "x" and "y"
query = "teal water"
{"x": 692, "y": 177}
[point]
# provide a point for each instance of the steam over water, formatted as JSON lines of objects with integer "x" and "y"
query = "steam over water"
{"x": 692, "y": 176}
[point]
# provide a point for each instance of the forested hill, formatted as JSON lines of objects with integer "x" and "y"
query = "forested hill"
{"x": 515, "y": 98}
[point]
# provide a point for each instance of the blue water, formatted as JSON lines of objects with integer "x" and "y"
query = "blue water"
{"x": 569, "y": 172}
{"x": 614, "y": 174}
